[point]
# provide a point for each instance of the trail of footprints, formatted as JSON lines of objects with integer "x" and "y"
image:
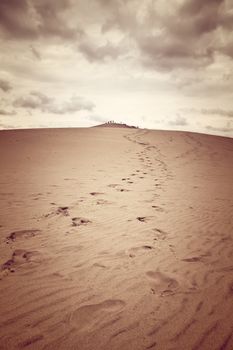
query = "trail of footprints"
{"x": 20, "y": 256}
{"x": 160, "y": 283}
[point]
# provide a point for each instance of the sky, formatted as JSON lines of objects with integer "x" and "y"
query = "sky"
{"x": 153, "y": 64}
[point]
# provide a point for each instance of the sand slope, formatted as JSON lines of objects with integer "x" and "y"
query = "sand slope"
{"x": 115, "y": 239}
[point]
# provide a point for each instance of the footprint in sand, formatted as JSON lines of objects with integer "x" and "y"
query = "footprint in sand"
{"x": 89, "y": 315}
{"x": 122, "y": 190}
{"x": 21, "y": 234}
{"x": 99, "y": 265}
{"x": 159, "y": 234}
{"x": 192, "y": 259}
{"x": 63, "y": 211}
{"x": 134, "y": 250}
{"x": 157, "y": 208}
{"x": 96, "y": 193}
{"x": 18, "y": 258}
{"x": 162, "y": 284}
{"x": 143, "y": 218}
{"x": 103, "y": 202}
{"x": 77, "y": 221}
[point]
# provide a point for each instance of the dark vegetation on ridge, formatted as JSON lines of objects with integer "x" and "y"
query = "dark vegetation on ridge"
{"x": 112, "y": 124}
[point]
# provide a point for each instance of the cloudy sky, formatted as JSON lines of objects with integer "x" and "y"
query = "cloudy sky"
{"x": 153, "y": 63}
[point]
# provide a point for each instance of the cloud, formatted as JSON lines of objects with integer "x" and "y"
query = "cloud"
{"x": 210, "y": 111}
{"x": 75, "y": 104}
{"x": 5, "y": 85}
{"x": 159, "y": 31}
{"x": 31, "y": 102}
{"x": 225, "y": 129}
{"x": 35, "y": 52}
{"x": 182, "y": 34}
{"x": 37, "y": 100}
{"x": 6, "y": 113}
{"x": 42, "y": 98}
{"x": 99, "y": 53}
{"x": 4, "y": 126}
{"x": 218, "y": 111}
{"x": 32, "y": 19}
{"x": 179, "y": 121}
{"x": 97, "y": 118}
{"x": 195, "y": 21}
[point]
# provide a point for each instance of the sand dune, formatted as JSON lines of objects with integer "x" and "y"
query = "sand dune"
{"x": 116, "y": 239}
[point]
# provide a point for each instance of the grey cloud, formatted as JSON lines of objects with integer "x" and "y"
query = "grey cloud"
{"x": 218, "y": 111}
{"x": 37, "y": 100}
{"x": 179, "y": 121}
{"x": 185, "y": 35}
{"x": 5, "y": 85}
{"x": 6, "y": 126}
{"x": 75, "y": 104}
{"x": 28, "y": 102}
{"x": 99, "y": 53}
{"x": 226, "y": 129}
{"x": 164, "y": 53}
{"x": 195, "y": 7}
{"x": 210, "y": 111}
{"x": 42, "y": 98}
{"x": 34, "y": 18}
{"x": 6, "y": 113}
{"x": 168, "y": 49}
{"x": 35, "y": 52}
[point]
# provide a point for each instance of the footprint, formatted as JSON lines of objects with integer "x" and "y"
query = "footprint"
{"x": 99, "y": 265}
{"x": 162, "y": 284}
{"x": 147, "y": 247}
{"x": 157, "y": 208}
{"x": 63, "y": 211}
{"x": 22, "y": 233}
{"x": 95, "y": 193}
{"x": 192, "y": 259}
{"x": 77, "y": 221}
{"x": 160, "y": 234}
{"x": 134, "y": 250}
{"x": 18, "y": 258}
{"x": 102, "y": 202}
{"x": 142, "y": 218}
{"x": 122, "y": 190}
{"x": 91, "y": 314}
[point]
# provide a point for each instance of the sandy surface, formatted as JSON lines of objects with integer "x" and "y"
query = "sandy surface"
{"x": 116, "y": 239}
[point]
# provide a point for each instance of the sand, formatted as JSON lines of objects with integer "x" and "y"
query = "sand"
{"x": 116, "y": 239}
